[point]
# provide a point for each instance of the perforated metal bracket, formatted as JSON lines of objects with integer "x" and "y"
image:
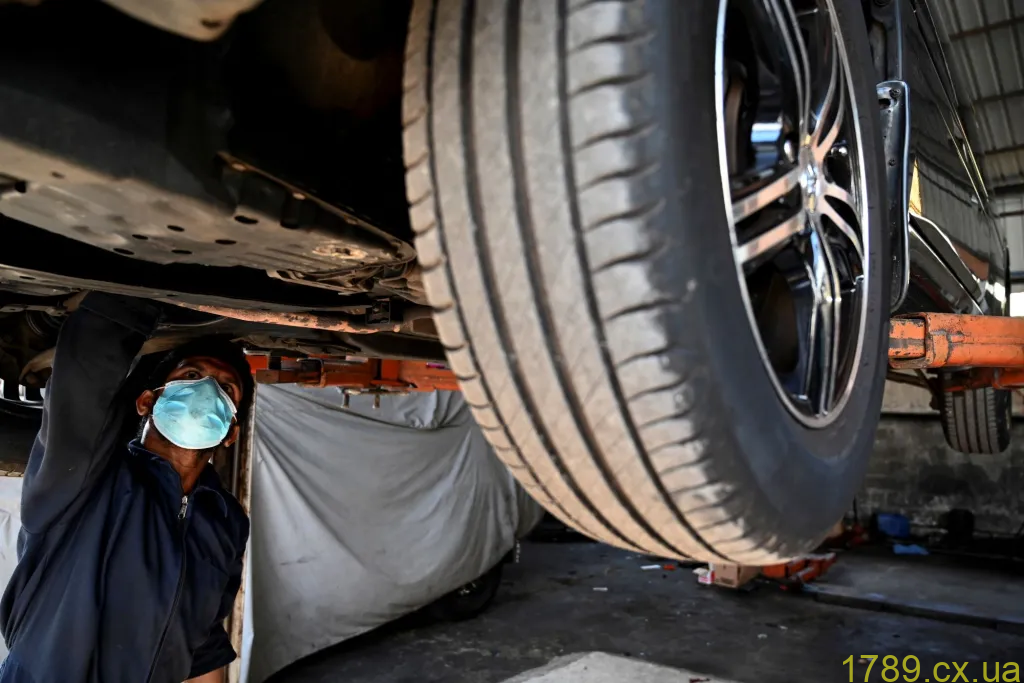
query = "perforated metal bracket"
{"x": 893, "y": 102}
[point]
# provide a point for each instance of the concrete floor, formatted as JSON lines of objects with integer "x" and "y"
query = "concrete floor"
{"x": 941, "y": 587}
{"x": 548, "y": 608}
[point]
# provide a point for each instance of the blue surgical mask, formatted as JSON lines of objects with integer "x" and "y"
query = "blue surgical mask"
{"x": 194, "y": 413}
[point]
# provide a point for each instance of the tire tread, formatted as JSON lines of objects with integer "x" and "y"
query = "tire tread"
{"x": 977, "y": 420}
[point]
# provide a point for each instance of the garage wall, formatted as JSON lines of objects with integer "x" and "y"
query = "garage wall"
{"x": 913, "y": 472}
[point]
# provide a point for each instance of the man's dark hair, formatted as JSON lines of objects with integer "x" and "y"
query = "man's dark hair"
{"x": 222, "y": 349}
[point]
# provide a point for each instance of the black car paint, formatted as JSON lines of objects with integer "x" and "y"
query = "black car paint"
{"x": 958, "y": 260}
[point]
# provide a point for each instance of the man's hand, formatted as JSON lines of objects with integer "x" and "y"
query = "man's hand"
{"x": 216, "y": 676}
{"x": 71, "y": 303}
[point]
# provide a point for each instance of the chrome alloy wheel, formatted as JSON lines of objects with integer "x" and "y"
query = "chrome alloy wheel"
{"x": 20, "y": 400}
{"x": 791, "y": 156}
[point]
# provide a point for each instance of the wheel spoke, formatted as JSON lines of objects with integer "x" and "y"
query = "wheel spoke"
{"x": 824, "y": 329}
{"x": 836, "y": 192}
{"x": 795, "y": 49}
{"x": 762, "y": 197}
{"x": 804, "y": 64}
{"x": 844, "y": 227}
{"x": 826, "y": 132}
{"x": 830, "y": 93}
{"x": 772, "y": 238}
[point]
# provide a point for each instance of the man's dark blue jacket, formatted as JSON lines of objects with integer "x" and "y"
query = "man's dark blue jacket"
{"x": 121, "y": 578}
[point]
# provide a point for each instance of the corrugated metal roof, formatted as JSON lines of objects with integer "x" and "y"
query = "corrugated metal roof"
{"x": 986, "y": 54}
{"x": 986, "y": 50}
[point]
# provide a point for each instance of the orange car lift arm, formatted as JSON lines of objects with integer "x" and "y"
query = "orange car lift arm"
{"x": 359, "y": 374}
{"x": 991, "y": 348}
{"x": 984, "y": 350}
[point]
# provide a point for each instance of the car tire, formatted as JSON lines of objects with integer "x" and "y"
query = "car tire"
{"x": 469, "y": 601}
{"x": 977, "y": 420}
{"x": 563, "y": 175}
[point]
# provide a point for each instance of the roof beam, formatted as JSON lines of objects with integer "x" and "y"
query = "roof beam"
{"x": 1003, "y": 150}
{"x": 1009, "y": 190}
{"x": 989, "y": 99}
{"x": 987, "y": 28}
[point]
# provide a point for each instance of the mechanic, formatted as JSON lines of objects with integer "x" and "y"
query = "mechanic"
{"x": 130, "y": 554}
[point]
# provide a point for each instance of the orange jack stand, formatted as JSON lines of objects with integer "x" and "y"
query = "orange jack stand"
{"x": 799, "y": 571}
{"x": 368, "y": 375}
{"x": 990, "y": 348}
{"x": 803, "y": 570}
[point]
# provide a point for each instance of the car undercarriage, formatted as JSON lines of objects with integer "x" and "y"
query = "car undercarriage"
{"x": 256, "y": 182}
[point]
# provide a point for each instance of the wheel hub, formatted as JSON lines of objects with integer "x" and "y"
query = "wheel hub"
{"x": 811, "y": 180}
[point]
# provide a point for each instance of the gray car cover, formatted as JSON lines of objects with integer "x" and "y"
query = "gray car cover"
{"x": 361, "y": 515}
{"x": 10, "y": 524}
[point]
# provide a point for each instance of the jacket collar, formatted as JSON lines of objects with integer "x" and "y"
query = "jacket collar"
{"x": 208, "y": 481}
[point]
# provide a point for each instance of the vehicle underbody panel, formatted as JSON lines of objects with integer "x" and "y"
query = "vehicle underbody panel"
{"x": 258, "y": 177}
{"x": 197, "y": 19}
{"x": 260, "y": 223}
{"x": 172, "y": 157}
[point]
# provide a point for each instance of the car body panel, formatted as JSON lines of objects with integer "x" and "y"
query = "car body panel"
{"x": 950, "y": 220}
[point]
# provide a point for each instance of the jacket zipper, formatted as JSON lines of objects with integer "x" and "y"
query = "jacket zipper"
{"x": 183, "y": 521}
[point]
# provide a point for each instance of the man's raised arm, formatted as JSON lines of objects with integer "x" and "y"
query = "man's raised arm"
{"x": 212, "y": 677}
{"x": 81, "y": 420}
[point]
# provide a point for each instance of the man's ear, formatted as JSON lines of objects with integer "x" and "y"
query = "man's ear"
{"x": 232, "y": 435}
{"x": 144, "y": 403}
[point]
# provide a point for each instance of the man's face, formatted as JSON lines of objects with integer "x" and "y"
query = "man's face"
{"x": 199, "y": 367}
